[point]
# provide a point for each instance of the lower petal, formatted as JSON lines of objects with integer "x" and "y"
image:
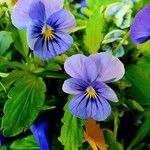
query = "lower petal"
{"x": 102, "y": 109}
{"x": 77, "y": 106}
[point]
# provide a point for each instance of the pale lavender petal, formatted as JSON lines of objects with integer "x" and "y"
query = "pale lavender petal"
{"x": 82, "y": 67}
{"x": 74, "y": 86}
{"x": 52, "y": 6}
{"x": 140, "y": 28}
{"x": 47, "y": 49}
{"x": 62, "y": 20}
{"x": 20, "y": 16}
{"x": 37, "y": 11}
{"x": 77, "y": 106}
{"x": 110, "y": 68}
{"x": 105, "y": 91}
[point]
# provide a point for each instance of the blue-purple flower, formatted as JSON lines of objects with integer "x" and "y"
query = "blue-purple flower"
{"x": 40, "y": 132}
{"x": 140, "y": 28}
{"x": 88, "y": 84}
{"x": 47, "y": 24}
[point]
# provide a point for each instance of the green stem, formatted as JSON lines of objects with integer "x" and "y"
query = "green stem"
{"x": 115, "y": 123}
{"x": 121, "y": 43}
{"x": 53, "y": 75}
{"x": 3, "y": 86}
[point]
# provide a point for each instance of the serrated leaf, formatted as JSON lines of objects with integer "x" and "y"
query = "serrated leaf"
{"x": 111, "y": 141}
{"x": 95, "y": 32}
{"x": 5, "y": 41}
{"x": 72, "y": 131}
{"x": 94, "y": 135}
{"x": 141, "y": 133}
{"x": 23, "y": 106}
{"x": 140, "y": 80}
{"x": 28, "y": 142}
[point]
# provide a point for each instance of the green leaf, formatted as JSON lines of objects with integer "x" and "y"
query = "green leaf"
{"x": 72, "y": 131}
{"x": 140, "y": 80}
{"x": 141, "y": 133}
{"x": 95, "y": 32}
{"x": 11, "y": 78}
{"x": 5, "y": 41}
{"x": 94, "y": 3}
{"x": 20, "y": 42}
{"x": 28, "y": 142}
{"x": 111, "y": 142}
{"x": 26, "y": 99}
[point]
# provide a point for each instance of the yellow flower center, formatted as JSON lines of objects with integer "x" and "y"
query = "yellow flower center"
{"x": 48, "y": 33}
{"x": 91, "y": 92}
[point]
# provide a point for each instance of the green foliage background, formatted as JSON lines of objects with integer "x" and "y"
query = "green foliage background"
{"x": 30, "y": 87}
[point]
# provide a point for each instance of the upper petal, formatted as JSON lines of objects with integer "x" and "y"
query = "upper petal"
{"x": 81, "y": 67}
{"x": 37, "y": 11}
{"x": 20, "y": 14}
{"x": 140, "y": 28}
{"x": 110, "y": 68}
{"x": 74, "y": 86}
{"x": 52, "y": 6}
{"x": 62, "y": 20}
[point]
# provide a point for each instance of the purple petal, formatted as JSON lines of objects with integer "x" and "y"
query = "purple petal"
{"x": 20, "y": 17}
{"x": 62, "y": 20}
{"x": 74, "y": 86}
{"x": 77, "y": 106}
{"x": 40, "y": 132}
{"x": 82, "y": 107}
{"x": 140, "y": 28}
{"x": 102, "y": 111}
{"x": 81, "y": 67}
{"x": 47, "y": 49}
{"x": 110, "y": 68}
{"x": 37, "y": 11}
{"x": 52, "y": 6}
{"x": 105, "y": 91}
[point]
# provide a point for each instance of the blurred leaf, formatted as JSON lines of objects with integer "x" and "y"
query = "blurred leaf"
{"x": 140, "y": 81}
{"x": 95, "y": 32}
{"x": 5, "y": 41}
{"x": 26, "y": 99}
{"x": 71, "y": 132}
{"x": 135, "y": 105}
{"x": 94, "y": 135}
{"x": 95, "y": 3}
{"x": 28, "y": 142}
{"x": 141, "y": 133}
{"x": 20, "y": 42}
{"x": 3, "y": 75}
{"x": 111, "y": 142}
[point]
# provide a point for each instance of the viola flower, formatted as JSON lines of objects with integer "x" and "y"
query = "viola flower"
{"x": 47, "y": 24}
{"x": 88, "y": 84}
{"x": 111, "y": 41}
{"x": 40, "y": 132}
{"x": 140, "y": 28}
